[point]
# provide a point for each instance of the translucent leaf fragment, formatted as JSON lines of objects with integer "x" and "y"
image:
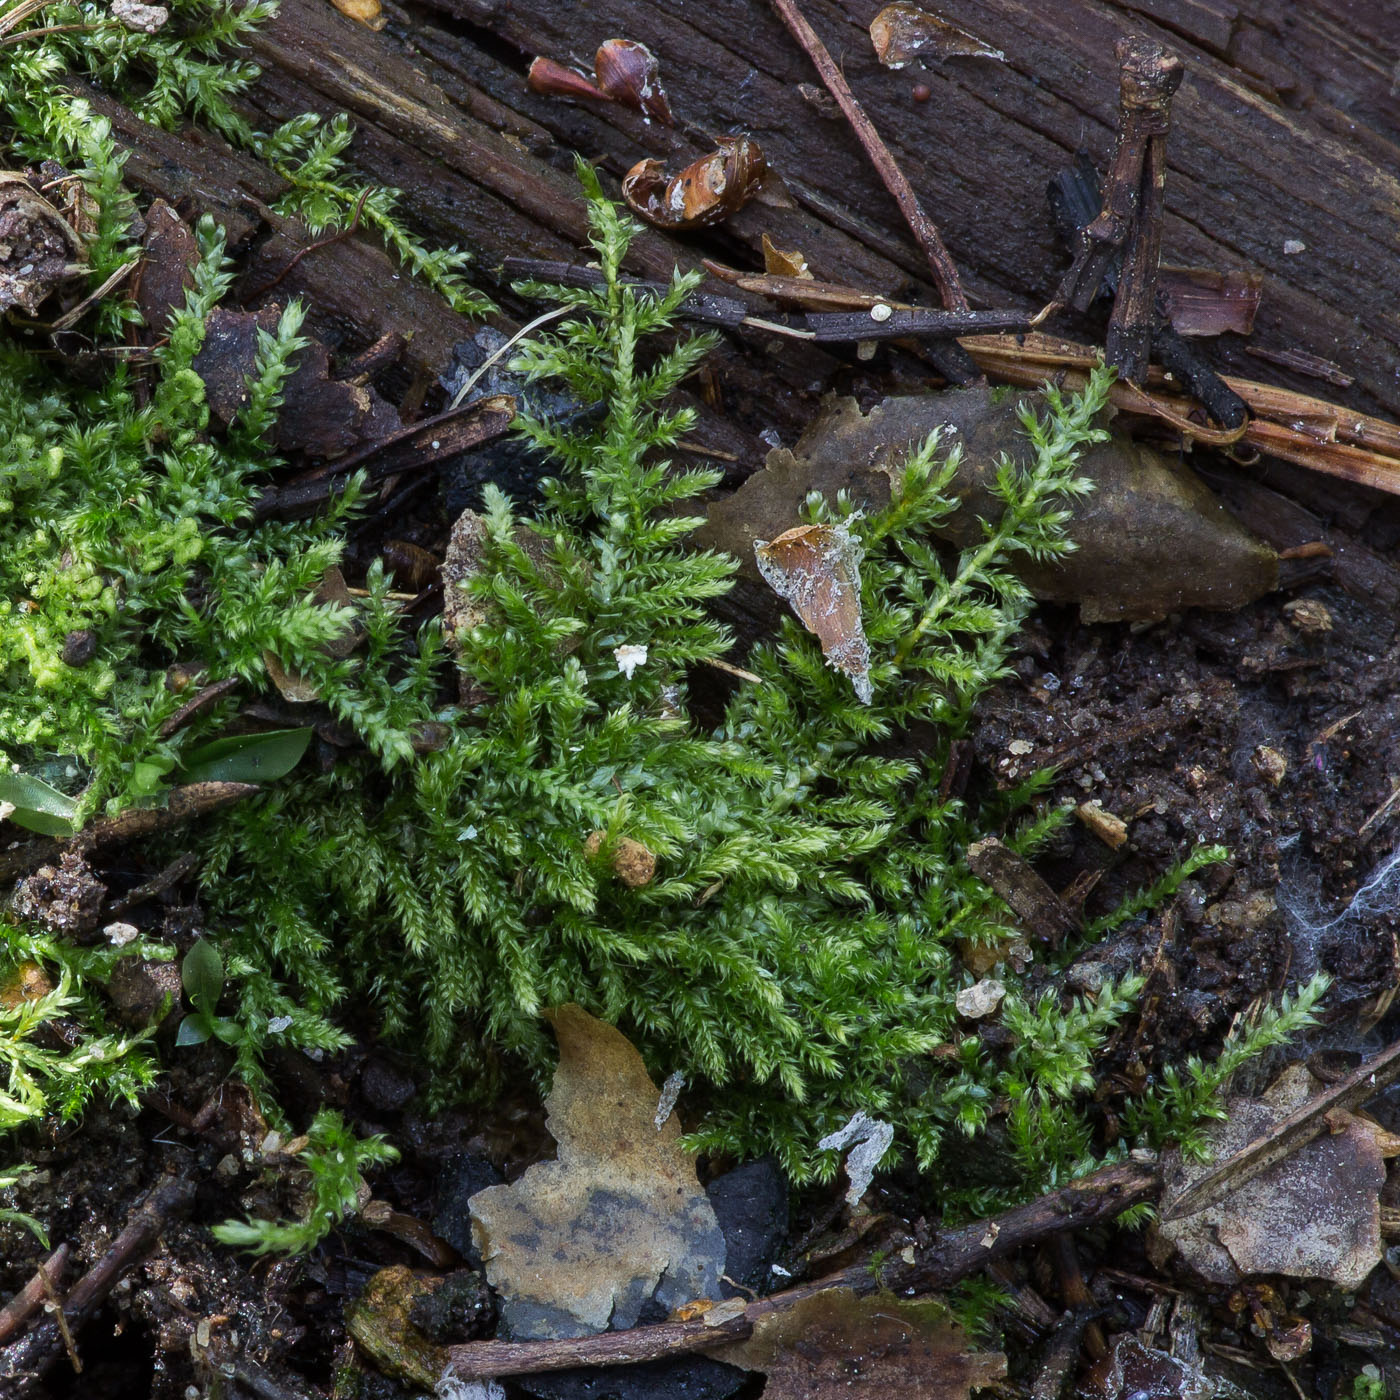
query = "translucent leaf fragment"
{"x": 584, "y": 1242}
{"x": 366, "y": 12}
{"x": 816, "y": 569}
{"x": 784, "y": 262}
{"x": 837, "y": 1344}
{"x": 902, "y": 33}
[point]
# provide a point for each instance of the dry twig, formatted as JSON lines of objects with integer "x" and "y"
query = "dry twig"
{"x": 925, "y": 231}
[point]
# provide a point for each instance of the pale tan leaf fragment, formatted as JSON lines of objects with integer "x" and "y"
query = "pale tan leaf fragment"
{"x": 835, "y": 1344}
{"x": 902, "y": 33}
{"x": 816, "y": 569}
{"x": 583, "y": 1242}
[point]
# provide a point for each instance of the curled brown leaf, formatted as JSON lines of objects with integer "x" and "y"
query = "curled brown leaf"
{"x": 552, "y": 79}
{"x": 816, "y": 569}
{"x": 628, "y": 73}
{"x": 706, "y": 192}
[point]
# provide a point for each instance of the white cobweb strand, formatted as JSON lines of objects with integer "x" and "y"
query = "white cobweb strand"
{"x": 869, "y": 1139}
{"x": 1378, "y": 895}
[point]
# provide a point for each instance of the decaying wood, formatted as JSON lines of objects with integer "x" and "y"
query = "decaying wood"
{"x": 1288, "y": 1135}
{"x": 1253, "y": 118}
{"x": 1130, "y": 223}
{"x": 23, "y": 1362}
{"x": 483, "y": 161}
{"x": 950, "y": 1256}
{"x": 1038, "y": 909}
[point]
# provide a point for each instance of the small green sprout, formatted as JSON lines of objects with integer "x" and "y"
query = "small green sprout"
{"x": 334, "y": 1158}
{"x": 202, "y": 974}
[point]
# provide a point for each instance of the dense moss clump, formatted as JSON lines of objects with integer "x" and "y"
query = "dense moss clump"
{"x": 796, "y": 937}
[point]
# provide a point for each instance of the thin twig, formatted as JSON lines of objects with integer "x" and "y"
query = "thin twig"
{"x": 11, "y": 39}
{"x": 543, "y": 319}
{"x": 925, "y": 231}
{"x": 183, "y": 804}
{"x": 326, "y": 242}
{"x": 55, "y": 1308}
{"x": 24, "y": 1363}
{"x": 21, "y": 1307}
{"x": 737, "y": 671}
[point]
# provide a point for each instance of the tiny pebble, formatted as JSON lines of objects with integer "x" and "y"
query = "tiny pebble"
{"x": 1294, "y": 245}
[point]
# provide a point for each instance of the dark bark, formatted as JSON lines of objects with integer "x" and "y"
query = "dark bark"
{"x": 1259, "y": 154}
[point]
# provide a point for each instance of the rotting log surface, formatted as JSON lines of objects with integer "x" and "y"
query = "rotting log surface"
{"x": 1284, "y": 130}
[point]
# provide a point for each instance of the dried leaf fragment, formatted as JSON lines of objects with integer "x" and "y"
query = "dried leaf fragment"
{"x": 629, "y": 74}
{"x": 619, "y": 1219}
{"x": 902, "y": 33}
{"x": 816, "y": 569}
{"x": 835, "y": 1344}
{"x": 1315, "y": 1214}
{"x": 1202, "y": 301}
{"x": 1109, "y": 827}
{"x": 38, "y": 248}
{"x": 780, "y": 263}
{"x": 366, "y": 12}
{"x": 1151, "y": 539}
{"x": 706, "y": 192}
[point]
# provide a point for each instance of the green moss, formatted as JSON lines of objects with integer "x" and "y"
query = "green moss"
{"x": 796, "y": 949}
{"x": 796, "y": 952}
